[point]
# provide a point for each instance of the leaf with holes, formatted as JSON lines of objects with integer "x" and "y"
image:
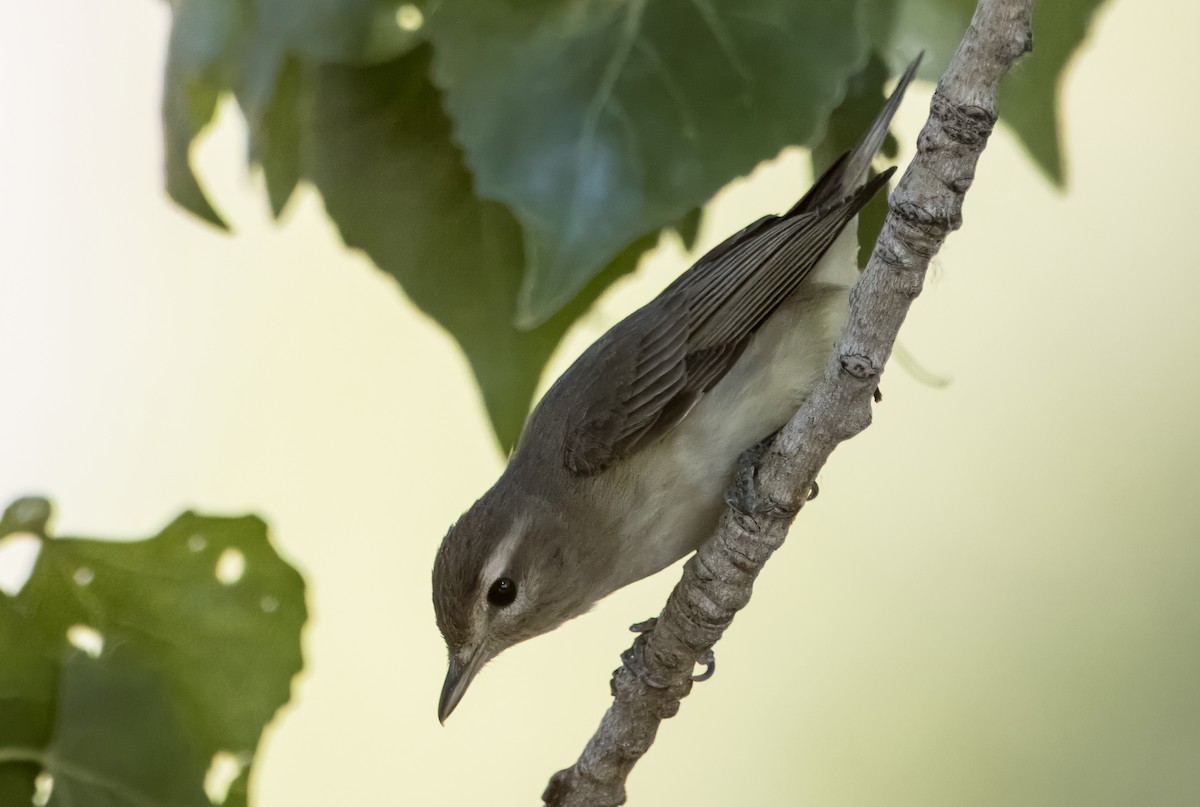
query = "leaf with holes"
{"x": 28, "y": 683}
{"x": 138, "y": 663}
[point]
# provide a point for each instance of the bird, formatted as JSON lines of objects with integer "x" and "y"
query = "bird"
{"x": 622, "y": 466}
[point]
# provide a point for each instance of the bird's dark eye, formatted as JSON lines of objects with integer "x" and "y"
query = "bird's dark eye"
{"x": 502, "y": 592}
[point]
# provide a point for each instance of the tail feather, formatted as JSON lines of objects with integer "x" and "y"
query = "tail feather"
{"x": 850, "y": 170}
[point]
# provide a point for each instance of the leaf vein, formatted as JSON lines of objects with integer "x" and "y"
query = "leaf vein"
{"x": 672, "y": 86}
{"x": 713, "y": 20}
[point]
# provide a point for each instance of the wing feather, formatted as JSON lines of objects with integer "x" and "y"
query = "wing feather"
{"x": 660, "y": 361}
{"x": 648, "y": 372}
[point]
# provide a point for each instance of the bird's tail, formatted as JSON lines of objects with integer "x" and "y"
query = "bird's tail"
{"x": 850, "y": 170}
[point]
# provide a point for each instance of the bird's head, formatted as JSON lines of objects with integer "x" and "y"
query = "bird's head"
{"x": 505, "y": 572}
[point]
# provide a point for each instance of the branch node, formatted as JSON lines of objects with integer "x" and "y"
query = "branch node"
{"x": 960, "y": 185}
{"x": 889, "y": 256}
{"x": 859, "y": 367}
{"x": 930, "y": 221}
{"x": 565, "y": 786}
{"x": 965, "y": 124}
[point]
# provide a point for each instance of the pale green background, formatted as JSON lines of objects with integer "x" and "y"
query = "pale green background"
{"x": 994, "y": 601}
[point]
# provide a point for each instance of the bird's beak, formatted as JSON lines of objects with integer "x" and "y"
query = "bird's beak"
{"x": 462, "y": 669}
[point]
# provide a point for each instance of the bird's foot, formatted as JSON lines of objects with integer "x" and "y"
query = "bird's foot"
{"x": 633, "y": 660}
{"x": 629, "y": 657}
{"x": 709, "y": 660}
{"x": 743, "y": 494}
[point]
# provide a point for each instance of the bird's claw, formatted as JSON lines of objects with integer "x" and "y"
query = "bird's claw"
{"x": 743, "y": 495}
{"x": 632, "y": 661}
{"x": 632, "y": 657}
{"x": 709, "y": 660}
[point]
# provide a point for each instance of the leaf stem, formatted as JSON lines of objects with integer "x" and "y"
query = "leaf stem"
{"x": 19, "y": 754}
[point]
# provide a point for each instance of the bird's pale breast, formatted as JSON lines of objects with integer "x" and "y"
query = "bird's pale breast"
{"x": 672, "y": 493}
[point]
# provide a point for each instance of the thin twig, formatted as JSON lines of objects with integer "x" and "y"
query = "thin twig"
{"x": 925, "y": 207}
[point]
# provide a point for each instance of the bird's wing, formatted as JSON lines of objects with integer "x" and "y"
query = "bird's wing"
{"x": 652, "y": 368}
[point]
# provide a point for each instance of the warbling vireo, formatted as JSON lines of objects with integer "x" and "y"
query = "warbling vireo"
{"x": 622, "y": 466}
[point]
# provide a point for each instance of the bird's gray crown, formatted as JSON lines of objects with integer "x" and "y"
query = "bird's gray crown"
{"x": 456, "y": 570}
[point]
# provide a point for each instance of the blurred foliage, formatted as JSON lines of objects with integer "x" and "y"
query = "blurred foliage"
{"x": 506, "y": 161}
{"x": 128, "y": 667}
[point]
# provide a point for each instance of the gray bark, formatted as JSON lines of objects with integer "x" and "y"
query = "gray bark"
{"x": 925, "y": 207}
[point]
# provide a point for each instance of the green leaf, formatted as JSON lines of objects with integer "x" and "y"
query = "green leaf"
{"x": 341, "y": 31}
{"x": 688, "y": 227}
{"x": 870, "y": 224}
{"x": 275, "y": 133}
{"x": 17, "y": 782}
{"x": 853, "y": 116}
{"x": 202, "y": 35}
{"x": 238, "y": 794}
{"x": 900, "y": 29}
{"x": 28, "y": 514}
{"x": 118, "y": 739}
{"x": 598, "y": 122}
{"x": 382, "y": 157}
{"x": 195, "y": 639}
{"x": 221, "y": 46}
{"x": 28, "y": 682}
{"x": 1030, "y": 96}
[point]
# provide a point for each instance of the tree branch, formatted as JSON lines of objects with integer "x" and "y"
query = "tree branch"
{"x": 925, "y": 207}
